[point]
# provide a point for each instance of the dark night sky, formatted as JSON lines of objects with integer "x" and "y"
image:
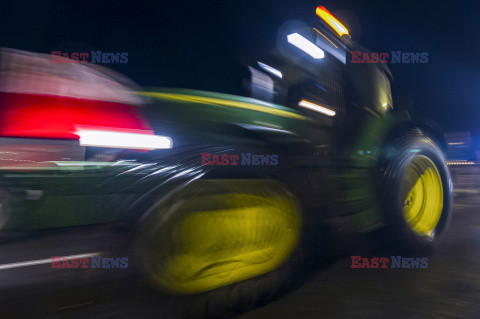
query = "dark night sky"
{"x": 197, "y": 44}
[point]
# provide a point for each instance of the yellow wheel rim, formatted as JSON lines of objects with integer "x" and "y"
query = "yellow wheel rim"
{"x": 422, "y": 195}
{"x": 225, "y": 238}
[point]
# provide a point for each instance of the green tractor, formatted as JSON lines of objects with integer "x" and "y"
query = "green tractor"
{"x": 224, "y": 192}
{"x": 241, "y": 229}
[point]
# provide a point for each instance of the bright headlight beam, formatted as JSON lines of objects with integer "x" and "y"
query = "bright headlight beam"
{"x": 123, "y": 140}
{"x": 316, "y": 107}
{"x": 305, "y": 45}
{"x": 270, "y": 69}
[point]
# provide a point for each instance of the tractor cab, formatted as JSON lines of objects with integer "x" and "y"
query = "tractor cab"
{"x": 311, "y": 70}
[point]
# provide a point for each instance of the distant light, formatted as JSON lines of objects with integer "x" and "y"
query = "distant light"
{"x": 384, "y": 104}
{"x": 123, "y": 140}
{"x": 461, "y": 163}
{"x": 333, "y": 22}
{"x": 305, "y": 45}
{"x": 317, "y": 108}
{"x": 270, "y": 69}
{"x": 456, "y": 143}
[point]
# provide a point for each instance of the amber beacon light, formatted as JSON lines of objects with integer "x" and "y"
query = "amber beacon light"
{"x": 333, "y": 22}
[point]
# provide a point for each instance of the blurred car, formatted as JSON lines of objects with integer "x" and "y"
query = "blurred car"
{"x": 223, "y": 192}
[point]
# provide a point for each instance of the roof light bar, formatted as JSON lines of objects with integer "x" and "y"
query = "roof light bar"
{"x": 305, "y": 45}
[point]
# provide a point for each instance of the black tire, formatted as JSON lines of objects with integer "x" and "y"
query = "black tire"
{"x": 234, "y": 298}
{"x": 409, "y": 146}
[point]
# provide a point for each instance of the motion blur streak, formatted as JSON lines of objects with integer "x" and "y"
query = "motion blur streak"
{"x": 316, "y": 107}
{"x": 43, "y": 261}
{"x": 123, "y": 140}
{"x": 305, "y": 45}
{"x": 326, "y": 38}
{"x": 40, "y": 99}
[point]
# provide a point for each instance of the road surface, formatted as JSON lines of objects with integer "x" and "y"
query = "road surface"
{"x": 448, "y": 288}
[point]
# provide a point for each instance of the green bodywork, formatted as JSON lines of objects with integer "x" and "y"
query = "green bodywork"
{"x": 84, "y": 192}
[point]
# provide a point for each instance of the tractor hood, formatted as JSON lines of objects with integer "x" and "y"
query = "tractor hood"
{"x": 224, "y": 114}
